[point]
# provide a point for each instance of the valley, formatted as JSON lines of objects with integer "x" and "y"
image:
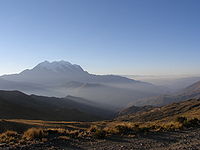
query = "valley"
{"x": 94, "y": 111}
{"x": 99, "y": 75}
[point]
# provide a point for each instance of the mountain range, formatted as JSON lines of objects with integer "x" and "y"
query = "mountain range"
{"x": 172, "y": 82}
{"x": 190, "y": 92}
{"x": 61, "y": 78}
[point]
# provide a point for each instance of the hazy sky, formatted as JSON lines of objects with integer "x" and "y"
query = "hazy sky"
{"x": 103, "y": 36}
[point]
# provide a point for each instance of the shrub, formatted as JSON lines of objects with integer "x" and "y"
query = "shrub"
{"x": 124, "y": 129}
{"x": 97, "y": 132}
{"x": 93, "y": 129}
{"x": 191, "y": 123}
{"x": 8, "y": 136}
{"x": 181, "y": 119}
{"x": 136, "y": 128}
{"x": 194, "y": 122}
{"x": 66, "y": 138}
{"x": 60, "y": 131}
{"x": 34, "y": 133}
{"x": 171, "y": 126}
{"x": 73, "y": 134}
{"x": 111, "y": 130}
{"x": 100, "y": 134}
{"x": 127, "y": 129}
{"x": 143, "y": 130}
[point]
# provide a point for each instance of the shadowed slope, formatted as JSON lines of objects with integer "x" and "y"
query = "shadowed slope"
{"x": 14, "y": 104}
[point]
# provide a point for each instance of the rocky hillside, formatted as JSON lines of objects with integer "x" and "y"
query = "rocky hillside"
{"x": 189, "y": 109}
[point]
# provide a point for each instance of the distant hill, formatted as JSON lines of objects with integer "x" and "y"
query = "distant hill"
{"x": 17, "y": 105}
{"x": 134, "y": 109}
{"x": 189, "y": 109}
{"x": 174, "y": 83}
{"x": 191, "y": 92}
{"x": 61, "y": 78}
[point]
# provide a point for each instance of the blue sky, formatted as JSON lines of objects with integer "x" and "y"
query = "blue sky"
{"x": 156, "y": 37}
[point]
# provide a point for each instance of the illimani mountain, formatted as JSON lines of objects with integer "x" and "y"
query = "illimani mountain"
{"x": 17, "y": 105}
{"x": 61, "y": 78}
{"x": 56, "y": 72}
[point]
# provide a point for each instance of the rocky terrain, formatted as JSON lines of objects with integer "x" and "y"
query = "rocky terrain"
{"x": 171, "y": 127}
{"x": 180, "y": 140}
{"x": 189, "y": 140}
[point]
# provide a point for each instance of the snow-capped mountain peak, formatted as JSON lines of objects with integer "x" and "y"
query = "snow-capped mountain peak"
{"x": 58, "y": 66}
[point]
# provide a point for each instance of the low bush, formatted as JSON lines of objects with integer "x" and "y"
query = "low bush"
{"x": 34, "y": 133}
{"x": 93, "y": 129}
{"x": 8, "y": 136}
{"x": 54, "y": 131}
{"x": 171, "y": 126}
{"x": 143, "y": 129}
{"x": 66, "y": 138}
{"x": 191, "y": 123}
{"x": 124, "y": 129}
{"x": 73, "y": 134}
{"x": 99, "y": 134}
{"x": 181, "y": 119}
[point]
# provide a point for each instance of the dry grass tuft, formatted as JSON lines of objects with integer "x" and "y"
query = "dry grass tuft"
{"x": 61, "y": 131}
{"x": 66, "y": 138}
{"x": 93, "y": 128}
{"x": 74, "y": 134}
{"x": 34, "y": 133}
{"x": 172, "y": 125}
{"x": 97, "y": 132}
{"x": 8, "y": 136}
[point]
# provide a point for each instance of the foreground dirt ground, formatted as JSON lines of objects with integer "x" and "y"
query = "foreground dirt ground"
{"x": 177, "y": 140}
{"x": 188, "y": 140}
